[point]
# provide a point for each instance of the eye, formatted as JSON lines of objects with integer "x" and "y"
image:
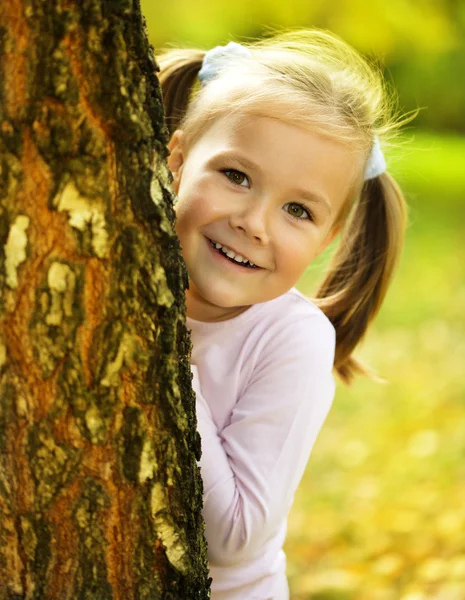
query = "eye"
{"x": 237, "y": 177}
{"x": 298, "y": 211}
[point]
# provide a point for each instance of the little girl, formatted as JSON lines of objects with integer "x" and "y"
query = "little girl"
{"x": 275, "y": 150}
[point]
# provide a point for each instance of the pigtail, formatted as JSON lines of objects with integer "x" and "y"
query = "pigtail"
{"x": 363, "y": 267}
{"x": 178, "y": 76}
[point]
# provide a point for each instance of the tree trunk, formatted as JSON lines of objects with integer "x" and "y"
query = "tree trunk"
{"x": 100, "y": 495}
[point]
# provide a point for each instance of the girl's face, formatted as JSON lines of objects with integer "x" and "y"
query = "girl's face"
{"x": 266, "y": 190}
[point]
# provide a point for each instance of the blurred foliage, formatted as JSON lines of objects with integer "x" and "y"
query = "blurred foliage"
{"x": 421, "y": 43}
{"x": 380, "y": 513}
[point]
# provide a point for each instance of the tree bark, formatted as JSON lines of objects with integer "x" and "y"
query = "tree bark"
{"x": 100, "y": 495}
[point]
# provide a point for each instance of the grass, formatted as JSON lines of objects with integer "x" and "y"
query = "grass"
{"x": 380, "y": 513}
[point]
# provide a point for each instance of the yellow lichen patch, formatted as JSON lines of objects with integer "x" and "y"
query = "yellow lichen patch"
{"x": 175, "y": 549}
{"x": 157, "y": 499}
{"x": 15, "y": 249}
{"x": 162, "y": 171}
{"x": 148, "y": 462}
{"x": 2, "y": 354}
{"x": 49, "y": 447}
{"x": 62, "y": 282}
{"x": 82, "y": 517}
{"x": 82, "y": 213}
{"x": 123, "y": 356}
{"x": 156, "y": 193}
{"x": 29, "y": 538}
{"x": 49, "y": 463}
{"x": 165, "y": 297}
{"x": 22, "y": 408}
{"x": 95, "y": 424}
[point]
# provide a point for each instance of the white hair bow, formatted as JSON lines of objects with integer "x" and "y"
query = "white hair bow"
{"x": 376, "y": 162}
{"x": 215, "y": 59}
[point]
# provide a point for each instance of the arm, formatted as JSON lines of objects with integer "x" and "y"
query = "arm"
{"x": 252, "y": 468}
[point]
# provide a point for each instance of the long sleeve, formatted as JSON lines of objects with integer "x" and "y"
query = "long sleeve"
{"x": 252, "y": 467}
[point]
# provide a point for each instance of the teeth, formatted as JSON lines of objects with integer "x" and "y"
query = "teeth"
{"x": 230, "y": 254}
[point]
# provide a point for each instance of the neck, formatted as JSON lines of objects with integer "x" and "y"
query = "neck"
{"x": 201, "y": 310}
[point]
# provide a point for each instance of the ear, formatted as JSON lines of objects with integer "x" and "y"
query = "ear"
{"x": 176, "y": 157}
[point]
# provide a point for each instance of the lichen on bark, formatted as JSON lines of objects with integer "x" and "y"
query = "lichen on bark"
{"x": 57, "y": 315}
{"x": 36, "y": 539}
{"x": 100, "y": 494}
{"x": 52, "y": 464}
{"x": 91, "y": 577}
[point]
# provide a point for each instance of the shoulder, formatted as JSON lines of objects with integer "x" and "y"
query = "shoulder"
{"x": 292, "y": 321}
{"x": 295, "y": 308}
{"x": 295, "y": 303}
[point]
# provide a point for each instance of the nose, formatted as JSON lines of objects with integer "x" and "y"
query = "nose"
{"x": 253, "y": 221}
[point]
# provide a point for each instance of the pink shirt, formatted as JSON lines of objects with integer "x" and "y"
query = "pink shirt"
{"x": 264, "y": 387}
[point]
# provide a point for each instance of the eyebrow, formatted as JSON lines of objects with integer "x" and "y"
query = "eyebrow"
{"x": 251, "y": 166}
{"x": 242, "y": 160}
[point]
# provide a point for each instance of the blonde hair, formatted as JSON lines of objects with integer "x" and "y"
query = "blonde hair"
{"x": 316, "y": 81}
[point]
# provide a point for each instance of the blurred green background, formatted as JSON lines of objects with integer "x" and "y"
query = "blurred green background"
{"x": 380, "y": 513}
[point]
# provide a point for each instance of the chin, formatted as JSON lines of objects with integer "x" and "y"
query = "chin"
{"x": 225, "y": 301}
{"x": 220, "y": 297}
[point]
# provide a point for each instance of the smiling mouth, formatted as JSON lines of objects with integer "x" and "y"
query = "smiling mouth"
{"x": 237, "y": 259}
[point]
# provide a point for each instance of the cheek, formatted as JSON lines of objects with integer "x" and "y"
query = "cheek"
{"x": 184, "y": 219}
{"x": 186, "y": 203}
{"x": 200, "y": 202}
{"x": 190, "y": 215}
{"x": 296, "y": 255}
